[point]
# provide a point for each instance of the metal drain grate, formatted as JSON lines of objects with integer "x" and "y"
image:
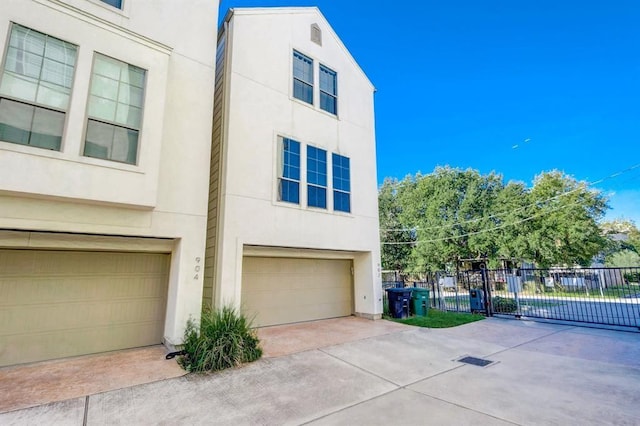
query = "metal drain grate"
{"x": 475, "y": 361}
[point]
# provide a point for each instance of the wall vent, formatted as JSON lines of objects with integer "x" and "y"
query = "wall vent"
{"x": 316, "y": 34}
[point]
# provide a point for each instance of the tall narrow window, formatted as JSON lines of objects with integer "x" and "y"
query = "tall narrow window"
{"x": 328, "y": 90}
{"x": 316, "y": 177}
{"x": 35, "y": 88}
{"x": 302, "y": 77}
{"x": 289, "y": 173}
{"x": 341, "y": 183}
{"x": 115, "y": 110}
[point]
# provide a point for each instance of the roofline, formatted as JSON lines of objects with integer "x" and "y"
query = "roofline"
{"x": 277, "y": 10}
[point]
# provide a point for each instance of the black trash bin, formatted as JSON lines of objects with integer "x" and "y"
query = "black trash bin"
{"x": 399, "y": 301}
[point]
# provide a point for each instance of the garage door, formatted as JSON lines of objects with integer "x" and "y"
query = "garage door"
{"x": 285, "y": 290}
{"x": 56, "y": 304}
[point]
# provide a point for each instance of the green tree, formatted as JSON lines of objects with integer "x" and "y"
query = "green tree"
{"x": 623, "y": 259}
{"x": 394, "y": 236}
{"x": 564, "y": 228}
{"x": 450, "y": 209}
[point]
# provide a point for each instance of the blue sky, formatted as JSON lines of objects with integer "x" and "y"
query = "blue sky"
{"x": 500, "y": 85}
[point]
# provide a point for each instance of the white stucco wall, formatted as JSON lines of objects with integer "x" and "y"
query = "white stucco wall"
{"x": 165, "y": 194}
{"x": 261, "y": 108}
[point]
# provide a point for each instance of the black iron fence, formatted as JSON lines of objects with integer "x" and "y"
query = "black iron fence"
{"x": 608, "y": 296}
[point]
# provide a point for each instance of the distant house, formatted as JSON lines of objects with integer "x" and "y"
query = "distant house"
{"x": 105, "y": 140}
{"x": 293, "y": 214}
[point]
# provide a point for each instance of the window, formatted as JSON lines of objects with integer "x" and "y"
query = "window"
{"x": 341, "y": 183}
{"x": 328, "y": 90}
{"x": 289, "y": 175}
{"x": 35, "y": 88}
{"x": 302, "y": 77}
{"x": 114, "y": 3}
{"x": 115, "y": 110}
{"x": 316, "y": 177}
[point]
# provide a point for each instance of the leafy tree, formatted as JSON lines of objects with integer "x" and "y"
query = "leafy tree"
{"x": 627, "y": 228}
{"x": 454, "y": 214}
{"x": 564, "y": 228}
{"x": 395, "y": 251}
{"x": 450, "y": 209}
{"x": 623, "y": 259}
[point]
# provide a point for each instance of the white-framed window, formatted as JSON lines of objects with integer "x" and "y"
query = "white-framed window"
{"x": 341, "y": 183}
{"x": 35, "y": 88}
{"x": 328, "y": 90}
{"x": 115, "y": 109}
{"x": 302, "y": 77}
{"x": 316, "y": 177}
{"x": 289, "y": 171}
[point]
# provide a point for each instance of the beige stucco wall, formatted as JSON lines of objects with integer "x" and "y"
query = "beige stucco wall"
{"x": 165, "y": 194}
{"x": 261, "y": 108}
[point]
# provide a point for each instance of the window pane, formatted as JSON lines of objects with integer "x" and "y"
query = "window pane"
{"x": 328, "y": 80}
{"x": 111, "y": 142}
{"x": 114, "y": 80}
{"x": 303, "y": 91}
{"x": 341, "y": 201}
{"x": 15, "y": 121}
{"x": 20, "y": 87}
{"x": 101, "y": 108}
{"x": 47, "y": 129}
{"x": 99, "y": 140}
{"x": 125, "y": 145}
{"x": 289, "y": 191}
{"x": 316, "y": 196}
{"x": 328, "y": 103}
{"x": 37, "y": 62}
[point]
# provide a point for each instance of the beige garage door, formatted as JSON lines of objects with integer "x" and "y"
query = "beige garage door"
{"x": 285, "y": 290}
{"x": 56, "y": 304}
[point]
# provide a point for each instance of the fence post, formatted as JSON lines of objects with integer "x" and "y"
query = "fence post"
{"x": 486, "y": 286}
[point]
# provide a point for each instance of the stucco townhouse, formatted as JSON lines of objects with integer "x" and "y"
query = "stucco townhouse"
{"x": 124, "y": 206}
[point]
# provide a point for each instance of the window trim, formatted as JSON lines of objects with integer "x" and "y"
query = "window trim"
{"x": 334, "y": 96}
{"x": 281, "y": 169}
{"x": 317, "y": 185}
{"x": 333, "y": 179}
{"x": 89, "y": 118}
{"x": 35, "y": 103}
{"x": 301, "y": 81}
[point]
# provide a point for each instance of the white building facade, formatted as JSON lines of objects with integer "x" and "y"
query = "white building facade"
{"x": 105, "y": 140}
{"x": 293, "y": 215}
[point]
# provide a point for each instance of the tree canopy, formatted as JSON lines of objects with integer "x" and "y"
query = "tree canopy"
{"x": 431, "y": 221}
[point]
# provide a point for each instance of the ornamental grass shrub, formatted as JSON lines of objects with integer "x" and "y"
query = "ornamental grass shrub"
{"x": 223, "y": 340}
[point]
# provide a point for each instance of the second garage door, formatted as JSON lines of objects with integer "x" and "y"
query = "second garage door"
{"x": 56, "y": 304}
{"x": 287, "y": 290}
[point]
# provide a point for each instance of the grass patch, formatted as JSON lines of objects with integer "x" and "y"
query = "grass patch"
{"x": 441, "y": 319}
{"x": 223, "y": 340}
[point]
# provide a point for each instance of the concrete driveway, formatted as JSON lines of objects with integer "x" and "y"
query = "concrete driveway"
{"x": 542, "y": 374}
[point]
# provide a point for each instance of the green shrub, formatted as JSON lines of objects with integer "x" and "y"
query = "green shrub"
{"x": 225, "y": 339}
{"x": 504, "y": 305}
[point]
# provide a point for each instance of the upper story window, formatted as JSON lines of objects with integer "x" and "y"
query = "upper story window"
{"x": 114, "y": 3}
{"x": 328, "y": 90}
{"x": 289, "y": 171}
{"x": 35, "y": 88}
{"x": 341, "y": 183}
{"x": 316, "y": 177}
{"x": 302, "y": 77}
{"x": 115, "y": 110}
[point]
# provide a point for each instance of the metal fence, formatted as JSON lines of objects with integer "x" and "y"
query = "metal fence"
{"x": 608, "y": 296}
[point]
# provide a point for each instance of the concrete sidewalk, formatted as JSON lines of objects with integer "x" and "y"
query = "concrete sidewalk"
{"x": 542, "y": 374}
